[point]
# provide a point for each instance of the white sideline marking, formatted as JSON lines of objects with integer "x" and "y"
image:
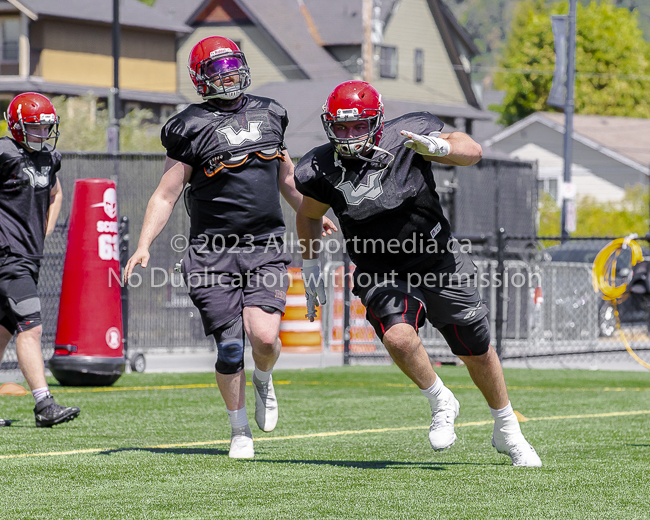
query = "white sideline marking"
{"x": 322, "y": 434}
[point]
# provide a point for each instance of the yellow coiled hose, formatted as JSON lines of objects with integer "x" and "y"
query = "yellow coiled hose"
{"x": 604, "y": 280}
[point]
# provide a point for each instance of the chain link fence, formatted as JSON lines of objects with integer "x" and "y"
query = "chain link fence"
{"x": 571, "y": 321}
{"x": 551, "y": 317}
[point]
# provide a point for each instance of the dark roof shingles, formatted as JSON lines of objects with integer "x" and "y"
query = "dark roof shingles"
{"x": 132, "y": 13}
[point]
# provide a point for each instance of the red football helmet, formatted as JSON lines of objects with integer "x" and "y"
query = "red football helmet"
{"x": 354, "y": 101}
{"x": 214, "y": 59}
{"x": 32, "y": 115}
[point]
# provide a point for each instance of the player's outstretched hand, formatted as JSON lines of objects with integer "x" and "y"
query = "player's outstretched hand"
{"x": 141, "y": 256}
{"x": 314, "y": 287}
{"x": 328, "y": 226}
{"x": 427, "y": 144}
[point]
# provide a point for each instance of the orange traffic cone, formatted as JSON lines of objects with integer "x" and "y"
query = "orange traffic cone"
{"x": 297, "y": 333}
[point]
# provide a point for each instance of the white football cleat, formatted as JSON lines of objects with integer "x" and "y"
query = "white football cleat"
{"x": 241, "y": 444}
{"x": 441, "y": 432}
{"x": 517, "y": 448}
{"x": 266, "y": 404}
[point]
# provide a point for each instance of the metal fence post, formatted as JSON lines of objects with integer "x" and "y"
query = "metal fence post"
{"x": 124, "y": 238}
{"x": 346, "y": 309}
{"x": 501, "y": 244}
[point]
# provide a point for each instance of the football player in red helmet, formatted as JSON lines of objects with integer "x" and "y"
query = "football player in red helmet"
{"x": 218, "y": 69}
{"x": 30, "y": 201}
{"x": 353, "y": 118}
{"x": 230, "y": 150}
{"x": 32, "y": 120}
{"x": 376, "y": 176}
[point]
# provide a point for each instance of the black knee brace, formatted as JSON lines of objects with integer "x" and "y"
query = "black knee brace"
{"x": 230, "y": 347}
{"x": 391, "y": 307}
{"x": 26, "y": 313}
{"x": 468, "y": 340}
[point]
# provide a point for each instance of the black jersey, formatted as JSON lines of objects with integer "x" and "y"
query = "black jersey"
{"x": 26, "y": 179}
{"x": 389, "y": 211}
{"x": 235, "y": 160}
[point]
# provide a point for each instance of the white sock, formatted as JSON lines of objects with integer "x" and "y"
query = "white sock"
{"x": 262, "y": 376}
{"x": 506, "y": 420}
{"x": 434, "y": 391}
{"x": 40, "y": 393}
{"x": 238, "y": 418}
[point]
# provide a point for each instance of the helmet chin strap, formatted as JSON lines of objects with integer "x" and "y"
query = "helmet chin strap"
{"x": 373, "y": 162}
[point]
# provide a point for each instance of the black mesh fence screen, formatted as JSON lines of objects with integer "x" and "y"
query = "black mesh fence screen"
{"x": 494, "y": 194}
{"x": 477, "y": 199}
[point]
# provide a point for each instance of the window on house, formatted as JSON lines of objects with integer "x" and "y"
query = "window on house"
{"x": 9, "y": 51}
{"x": 419, "y": 65}
{"x": 388, "y": 62}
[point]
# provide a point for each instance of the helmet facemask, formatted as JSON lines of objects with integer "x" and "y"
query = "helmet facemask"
{"x": 217, "y": 69}
{"x": 41, "y": 129}
{"x": 356, "y": 146}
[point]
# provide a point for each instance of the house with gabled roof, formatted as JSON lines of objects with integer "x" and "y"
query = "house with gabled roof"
{"x": 65, "y": 47}
{"x": 299, "y": 50}
{"x": 609, "y": 153}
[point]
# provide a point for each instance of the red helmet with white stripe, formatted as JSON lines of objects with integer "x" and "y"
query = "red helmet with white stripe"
{"x": 354, "y": 101}
{"x": 32, "y": 120}
{"x": 218, "y": 69}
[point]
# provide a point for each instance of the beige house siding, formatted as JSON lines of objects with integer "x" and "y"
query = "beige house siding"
{"x": 413, "y": 27}
{"x": 81, "y": 55}
{"x": 266, "y": 61}
{"x": 594, "y": 173}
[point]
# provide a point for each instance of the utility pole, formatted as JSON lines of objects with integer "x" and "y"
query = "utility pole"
{"x": 367, "y": 51}
{"x": 568, "y": 198}
{"x": 113, "y": 131}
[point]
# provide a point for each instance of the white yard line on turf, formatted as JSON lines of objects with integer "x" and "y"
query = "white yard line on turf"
{"x": 324, "y": 434}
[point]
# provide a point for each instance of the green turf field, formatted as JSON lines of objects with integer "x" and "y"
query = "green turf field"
{"x": 351, "y": 443}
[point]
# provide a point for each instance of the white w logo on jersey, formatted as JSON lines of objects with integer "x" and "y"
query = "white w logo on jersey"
{"x": 236, "y": 138}
{"x": 38, "y": 178}
{"x": 370, "y": 190}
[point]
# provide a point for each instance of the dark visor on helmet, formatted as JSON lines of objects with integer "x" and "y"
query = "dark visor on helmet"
{"x": 217, "y": 67}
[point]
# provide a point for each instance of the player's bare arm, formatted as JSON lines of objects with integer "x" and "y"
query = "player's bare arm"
{"x": 287, "y": 183}
{"x": 308, "y": 223}
{"x": 159, "y": 209}
{"x": 56, "y": 199}
{"x": 455, "y": 148}
{"x": 294, "y": 197}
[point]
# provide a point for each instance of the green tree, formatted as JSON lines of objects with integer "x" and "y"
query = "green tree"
{"x": 549, "y": 216}
{"x": 614, "y": 219}
{"x": 488, "y": 23}
{"x": 84, "y": 122}
{"x": 600, "y": 218}
{"x": 612, "y": 65}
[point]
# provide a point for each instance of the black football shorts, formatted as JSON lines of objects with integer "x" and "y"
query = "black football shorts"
{"x": 448, "y": 292}
{"x": 222, "y": 283}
